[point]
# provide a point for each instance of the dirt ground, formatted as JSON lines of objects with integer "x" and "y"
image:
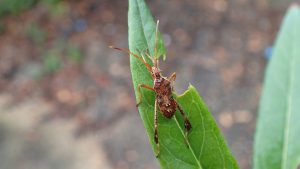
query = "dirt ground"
{"x": 57, "y": 56}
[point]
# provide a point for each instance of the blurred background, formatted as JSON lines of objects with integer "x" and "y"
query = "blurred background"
{"x": 66, "y": 99}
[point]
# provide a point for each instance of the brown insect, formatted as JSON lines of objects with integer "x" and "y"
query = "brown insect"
{"x": 163, "y": 88}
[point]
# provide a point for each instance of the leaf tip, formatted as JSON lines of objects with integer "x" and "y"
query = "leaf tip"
{"x": 294, "y": 9}
{"x": 294, "y": 5}
{"x": 191, "y": 87}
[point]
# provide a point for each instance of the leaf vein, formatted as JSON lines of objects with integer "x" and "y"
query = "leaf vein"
{"x": 192, "y": 151}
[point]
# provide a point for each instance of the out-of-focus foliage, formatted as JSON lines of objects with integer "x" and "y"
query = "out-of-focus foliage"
{"x": 56, "y": 57}
{"x": 51, "y": 62}
{"x": 35, "y": 33}
{"x": 74, "y": 54}
{"x": 277, "y": 136}
{"x": 15, "y": 6}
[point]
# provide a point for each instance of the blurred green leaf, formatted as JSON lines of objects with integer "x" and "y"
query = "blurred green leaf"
{"x": 52, "y": 2}
{"x": 207, "y": 146}
{"x": 74, "y": 53}
{"x": 57, "y": 8}
{"x": 278, "y": 128}
{"x": 35, "y": 33}
{"x": 15, "y": 6}
{"x": 51, "y": 62}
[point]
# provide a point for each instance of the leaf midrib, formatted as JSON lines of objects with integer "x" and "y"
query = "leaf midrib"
{"x": 182, "y": 132}
{"x": 188, "y": 143}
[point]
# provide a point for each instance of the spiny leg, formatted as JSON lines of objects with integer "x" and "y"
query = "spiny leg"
{"x": 172, "y": 79}
{"x": 140, "y": 94}
{"x": 156, "y": 129}
{"x": 148, "y": 55}
{"x": 187, "y": 124}
{"x": 143, "y": 58}
{"x": 142, "y": 53}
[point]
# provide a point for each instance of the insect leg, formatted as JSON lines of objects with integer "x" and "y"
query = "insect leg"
{"x": 143, "y": 57}
{"x": 187, "y": 124}
{"x": 172, "y": 79}
{"x": 133, "y": 54}
{"x": 156, "y": 128}
{"x": 140, "y": 94}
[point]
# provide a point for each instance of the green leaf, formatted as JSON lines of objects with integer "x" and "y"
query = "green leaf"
{"x": 277, "y": 141}
{"x": 143, "y": 29}
{"x": 207, "y": 146}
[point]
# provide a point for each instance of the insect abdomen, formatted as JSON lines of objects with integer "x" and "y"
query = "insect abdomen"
{"x": 167, "y": 106}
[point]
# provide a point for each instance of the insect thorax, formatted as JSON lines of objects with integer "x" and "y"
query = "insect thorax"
{"x": 164, "y": 97}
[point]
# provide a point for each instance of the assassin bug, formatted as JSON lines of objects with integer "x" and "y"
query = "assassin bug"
{"x": 163, "y": 92}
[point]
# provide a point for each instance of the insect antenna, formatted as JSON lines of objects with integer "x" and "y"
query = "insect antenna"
{"x": 155, "y": 45}
{"x": 133, "y": 54}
